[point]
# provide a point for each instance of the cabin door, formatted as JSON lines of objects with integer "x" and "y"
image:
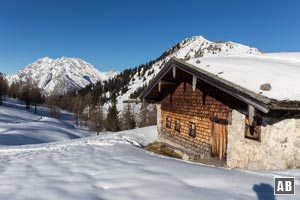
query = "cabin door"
{"x": 219, "y": 140}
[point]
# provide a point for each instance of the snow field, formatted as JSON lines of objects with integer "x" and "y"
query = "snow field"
{"x": 112, "y": 166}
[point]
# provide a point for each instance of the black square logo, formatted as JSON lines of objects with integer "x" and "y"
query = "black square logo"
{"x": 284, "y": 185}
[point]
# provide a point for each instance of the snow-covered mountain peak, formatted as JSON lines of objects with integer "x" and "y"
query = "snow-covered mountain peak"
{"x": 60, "y": 74}
{"x": 44, "y": 60}
{"x": 198, "y": 39}
{"x": 198, "y": 46}
{"x": 189, "y": 48}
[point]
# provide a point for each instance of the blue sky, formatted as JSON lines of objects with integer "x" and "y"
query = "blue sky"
{"x": 120, "y": 34}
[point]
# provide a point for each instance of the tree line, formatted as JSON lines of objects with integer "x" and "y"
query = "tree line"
{"x": 26, "y": 91}
{"x": 96, "y": 117}
{"x": 88, "y": 110}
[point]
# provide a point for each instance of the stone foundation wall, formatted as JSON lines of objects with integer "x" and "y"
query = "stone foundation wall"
{"x": 158, "y": 110}
{"x": 279, "y": 147}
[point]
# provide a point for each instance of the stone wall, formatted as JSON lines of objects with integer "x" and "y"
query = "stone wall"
{"x": 279, "y": 147}
{"x": 158, "y": 110}
{"x": 197, "y": 107}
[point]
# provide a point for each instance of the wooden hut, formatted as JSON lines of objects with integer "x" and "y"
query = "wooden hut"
{"x": 206, "y": 116}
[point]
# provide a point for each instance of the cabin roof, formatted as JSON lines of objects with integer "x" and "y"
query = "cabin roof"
{"x": 216, "y": 77}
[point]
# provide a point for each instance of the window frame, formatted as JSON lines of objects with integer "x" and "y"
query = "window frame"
{"x": 177, "y": 125}
{"x": 192, "y": 129}
{"x": 253, "y": 132}
{"x": 168, "y": 122}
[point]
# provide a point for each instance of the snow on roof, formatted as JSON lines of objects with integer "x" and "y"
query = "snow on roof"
{"x": 280, "y": 70}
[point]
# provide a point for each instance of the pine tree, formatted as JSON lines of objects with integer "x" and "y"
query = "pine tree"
{"x": 112, "y": 119}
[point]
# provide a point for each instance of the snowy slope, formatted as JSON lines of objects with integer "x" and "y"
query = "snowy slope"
{"x": 60, "y": 74}
{"x": 18, "y": 126}
{"x": 112, "y": 166}
{"x": 106, "y": 168}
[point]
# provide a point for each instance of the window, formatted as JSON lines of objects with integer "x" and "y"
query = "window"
{"x": 253, "y": 131}
{"x": 192, "y": 129}
{"x": 177, "y": 125}
{"x": 168, "y": 122}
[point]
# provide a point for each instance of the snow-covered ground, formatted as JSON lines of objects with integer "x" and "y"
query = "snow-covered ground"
{"x": 113, "y": 166}
{"x": 21, "y": 127}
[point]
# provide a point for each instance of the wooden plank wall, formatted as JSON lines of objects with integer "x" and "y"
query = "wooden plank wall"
{"x": 198, "y": 107}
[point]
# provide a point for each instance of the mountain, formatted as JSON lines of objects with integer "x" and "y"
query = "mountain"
{"x": 60, "y": 74}
{"x": 194, "y": 47}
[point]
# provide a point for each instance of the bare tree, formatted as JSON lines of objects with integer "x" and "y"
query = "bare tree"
{"x": 143, "y": 115}
{"x": 127, "y": 117}
{"x": 14, "y": 90}
{"x": 78, "y": 106}
{"x": 51, "y": 102}
{"x": 97, "y": 119}
{"x": 3, "y": 88}
{"x": 147, "y": 115}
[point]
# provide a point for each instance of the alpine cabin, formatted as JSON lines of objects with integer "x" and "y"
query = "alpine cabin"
{"x": 224, "y": 109}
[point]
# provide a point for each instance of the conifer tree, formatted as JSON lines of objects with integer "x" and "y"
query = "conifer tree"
{"x": 112, "y": 119}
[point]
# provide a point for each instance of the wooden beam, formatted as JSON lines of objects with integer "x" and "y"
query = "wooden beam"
{"x": 219, "y": 120}
{"x": 159, "y": 85}
{"x": 194, "y": 82}
{"x": 251, "y": 113}
{"x": 132, "y": 101}
{"x": 174, "y": 72}
{"x": 163, "y": 82}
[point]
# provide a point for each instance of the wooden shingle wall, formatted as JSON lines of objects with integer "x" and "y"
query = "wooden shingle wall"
{"x": 201, "y": 107}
